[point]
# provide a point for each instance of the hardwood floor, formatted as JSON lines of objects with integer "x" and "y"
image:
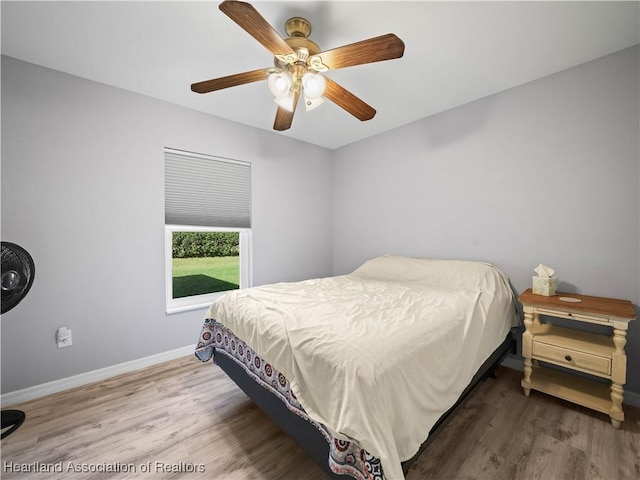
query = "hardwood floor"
{"x": 185, "y": 419}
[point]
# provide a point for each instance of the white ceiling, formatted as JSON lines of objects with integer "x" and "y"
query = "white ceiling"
{"x": 455, "y": 52}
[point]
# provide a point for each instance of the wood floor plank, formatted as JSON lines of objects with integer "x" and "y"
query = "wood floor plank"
{"x": 187, "y": 420}
{"x": 614, "y": 454}
{"x": 551, "y": 458}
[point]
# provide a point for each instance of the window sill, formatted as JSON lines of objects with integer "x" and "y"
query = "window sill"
{"x": 187, "y": 308}
{"x": 186, "y": 304}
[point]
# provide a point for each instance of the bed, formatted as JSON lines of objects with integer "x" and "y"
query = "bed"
{"x": 361, "y": 368}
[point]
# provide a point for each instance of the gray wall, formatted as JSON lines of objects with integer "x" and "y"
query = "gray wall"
{"x": 83, "y": 192}
{"x": 544, "y": 173}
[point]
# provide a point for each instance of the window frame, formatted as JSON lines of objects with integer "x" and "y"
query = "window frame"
{"x": 195, "y": 302}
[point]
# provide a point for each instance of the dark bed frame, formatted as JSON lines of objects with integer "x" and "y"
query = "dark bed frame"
{"x": 310, "y": 438}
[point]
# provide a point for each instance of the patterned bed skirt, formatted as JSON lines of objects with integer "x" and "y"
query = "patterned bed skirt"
{"x": 345, "y": 458}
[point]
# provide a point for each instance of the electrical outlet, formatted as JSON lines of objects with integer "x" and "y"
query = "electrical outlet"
{"x": 63, "y": 337}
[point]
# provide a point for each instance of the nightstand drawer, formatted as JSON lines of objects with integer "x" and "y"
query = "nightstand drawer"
{"x": 572, "y": 358}
{"x": 574, "y": 316}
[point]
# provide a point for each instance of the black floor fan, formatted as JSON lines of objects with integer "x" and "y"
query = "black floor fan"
{"x": 18, "y": 271}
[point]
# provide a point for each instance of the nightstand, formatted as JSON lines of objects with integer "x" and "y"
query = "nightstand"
{"x": 580, "y": 351}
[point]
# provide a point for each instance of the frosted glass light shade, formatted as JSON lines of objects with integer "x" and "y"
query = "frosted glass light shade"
{"x": 313, "y": 85}
{"x": 311, "y": 103}
{"x": 279, "y": 83}
{"x": 286, "y": 101}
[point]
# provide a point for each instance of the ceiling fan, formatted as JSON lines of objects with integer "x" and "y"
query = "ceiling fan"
{"x": 299, "y": 64}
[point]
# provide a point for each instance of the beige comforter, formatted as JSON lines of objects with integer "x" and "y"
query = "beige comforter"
{"x": 380, "y": 354}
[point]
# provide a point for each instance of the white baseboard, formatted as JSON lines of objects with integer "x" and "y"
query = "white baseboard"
{"x": 56, "y": 386}
{"x": 630, "y": 398}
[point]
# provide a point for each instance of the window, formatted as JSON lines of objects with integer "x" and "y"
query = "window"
{"x": 195, "y": 278}
{"x": 207, "y": 228}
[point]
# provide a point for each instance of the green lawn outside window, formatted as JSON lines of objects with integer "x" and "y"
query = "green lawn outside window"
{"x": 201, "y": 275}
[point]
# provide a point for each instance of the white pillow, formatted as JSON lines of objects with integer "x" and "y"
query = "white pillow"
{"x": 442, "y": 273}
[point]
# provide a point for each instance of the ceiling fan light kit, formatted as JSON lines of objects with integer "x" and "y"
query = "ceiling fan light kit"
{"x": 280, "y": 83}
{"x": 313, "y": 85}
{"x": 311, "y": 103}
{"x": 299, "y": 64}
{"x": 287, "y": 101}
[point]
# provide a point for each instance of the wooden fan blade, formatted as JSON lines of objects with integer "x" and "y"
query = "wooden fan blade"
{"x": 284, "y": 117}
{"x": 230, "y": 81}
{"x": 255, "y": 25}
{"x": 384, "y": 47}
{"x": 283, "y": 120}
{"x": 348, "y": 101}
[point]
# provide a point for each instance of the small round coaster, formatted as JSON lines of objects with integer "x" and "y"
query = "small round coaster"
{"x": 570, "y": 299}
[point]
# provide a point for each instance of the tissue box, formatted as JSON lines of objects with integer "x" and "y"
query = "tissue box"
{"x": 544, "y": 286}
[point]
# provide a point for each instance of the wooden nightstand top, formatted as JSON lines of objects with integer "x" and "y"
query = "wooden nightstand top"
{"x": 621, "y": 309}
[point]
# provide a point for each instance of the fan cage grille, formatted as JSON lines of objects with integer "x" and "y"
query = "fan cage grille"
{"x": 16, "y": 258}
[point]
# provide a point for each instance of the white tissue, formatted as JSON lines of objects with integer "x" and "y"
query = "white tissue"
{"x": 544, "y": 271}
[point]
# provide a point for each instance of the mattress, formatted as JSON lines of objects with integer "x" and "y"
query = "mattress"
{"x": 378, "y": 355}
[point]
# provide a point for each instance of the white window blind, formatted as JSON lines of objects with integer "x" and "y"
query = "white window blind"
{"x": 202, "y": 190}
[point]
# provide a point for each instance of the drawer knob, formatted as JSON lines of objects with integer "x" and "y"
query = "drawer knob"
{"x": 567, "y": 358}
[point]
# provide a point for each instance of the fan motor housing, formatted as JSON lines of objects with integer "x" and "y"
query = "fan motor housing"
{"x": 298, "y": 43}
{"x": 298, "y": 29}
